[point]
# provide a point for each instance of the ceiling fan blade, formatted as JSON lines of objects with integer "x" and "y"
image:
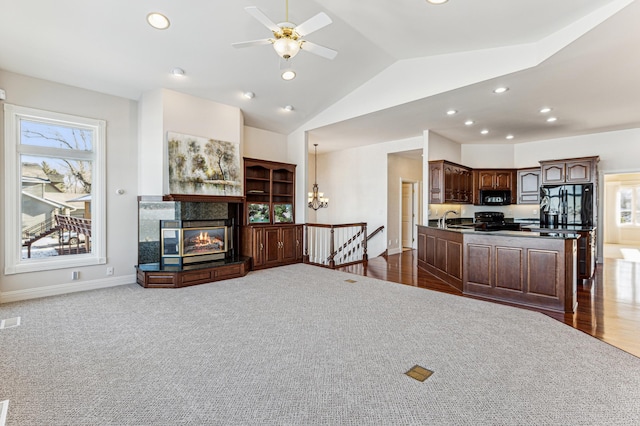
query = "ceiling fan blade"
{"x": 312, "y": 24}
{"x": 257, "y": 13}
{"x": 251, "y": 43}
{"x": 316, "y": 49}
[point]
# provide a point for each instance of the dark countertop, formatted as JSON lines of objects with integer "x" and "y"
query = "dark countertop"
{"x": 550, "y": 233}
{"x": 562, "y": 228}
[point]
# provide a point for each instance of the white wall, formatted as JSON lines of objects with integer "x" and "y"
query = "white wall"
{"x": 121, "y": 116}
{"x": 180, "y": 113}
{"x": 356, "y": 182}
{"x": 265, "y": 145}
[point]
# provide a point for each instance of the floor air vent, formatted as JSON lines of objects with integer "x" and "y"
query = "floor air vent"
{"x": 419, "y": 373}
{"x": 8, "y": 323}
{"x": 4, "y": 409}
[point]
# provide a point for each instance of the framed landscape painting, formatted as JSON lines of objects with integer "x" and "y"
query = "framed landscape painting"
{"x": 203, "y": 166}
{"x": 258, "y": 213}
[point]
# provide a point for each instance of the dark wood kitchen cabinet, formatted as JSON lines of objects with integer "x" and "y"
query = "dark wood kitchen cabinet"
{"x": 493, "y": 179}
{"x": 528, "y": 183}
{"x": 440, "y": 253}
{"x": 274, "y": 245}
{"x": 449, "y": 183}
{"x": 573, "y": 170}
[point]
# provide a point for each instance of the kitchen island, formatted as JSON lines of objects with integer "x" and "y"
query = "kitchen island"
{"x": 536, "y": 269}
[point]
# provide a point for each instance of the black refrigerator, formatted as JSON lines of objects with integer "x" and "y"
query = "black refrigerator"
{"x": 563, "y": 205}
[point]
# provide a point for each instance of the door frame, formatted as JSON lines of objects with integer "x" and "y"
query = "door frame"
{"x": 415, "y": 187}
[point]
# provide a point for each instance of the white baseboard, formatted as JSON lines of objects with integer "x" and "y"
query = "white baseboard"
{"x": 397, "y": 250}
{"x": 55, "y": 290}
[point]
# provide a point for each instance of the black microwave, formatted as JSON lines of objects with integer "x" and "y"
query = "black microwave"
{"x": 494, "y": 197}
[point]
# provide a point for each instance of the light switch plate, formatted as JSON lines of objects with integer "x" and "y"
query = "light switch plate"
{"x": 3, "y": 95}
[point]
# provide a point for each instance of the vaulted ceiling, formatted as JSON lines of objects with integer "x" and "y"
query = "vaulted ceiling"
{"x": 108, "y": 46}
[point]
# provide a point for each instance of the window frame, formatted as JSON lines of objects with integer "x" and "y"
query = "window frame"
{"x": 634, "y": 188}
{"x": 13, "y": 114}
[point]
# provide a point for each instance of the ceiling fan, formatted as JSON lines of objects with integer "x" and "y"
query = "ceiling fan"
{"x": 287, "y": 38}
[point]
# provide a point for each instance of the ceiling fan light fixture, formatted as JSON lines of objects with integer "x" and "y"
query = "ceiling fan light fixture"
{"x": 288, "y": 75}
{"x": 158, "y": 21}
{"x": 286, "y": 47}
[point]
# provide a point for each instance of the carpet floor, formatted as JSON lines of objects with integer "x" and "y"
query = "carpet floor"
{"x": 301, "y": 345}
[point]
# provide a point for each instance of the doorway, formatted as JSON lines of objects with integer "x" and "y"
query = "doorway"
{"x": 621, "y": 216}
{"x": 409, "y": 214}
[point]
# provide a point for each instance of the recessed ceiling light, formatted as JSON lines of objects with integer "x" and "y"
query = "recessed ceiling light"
{"x": 552, "y": 119}
{"x": 288, "y": 108}
{"x": 178, "y": 72}
{"x": 288, "y": 75}
{"x": 484, "y": 131}
{"x": 437, "y": 1}
{"x": 451, "y": 112}
{"x": 248, "y": 95}
{"x": 468, "y": 122}
{"x": 545, "y": 110}
{"x": 158, "y": 21}
{"x": 500, "y": 89}
{"x": 509, "y": 137}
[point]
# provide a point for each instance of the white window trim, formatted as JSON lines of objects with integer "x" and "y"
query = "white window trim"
{"x": 14, "y": 264}
{"x": 632, "y": 186}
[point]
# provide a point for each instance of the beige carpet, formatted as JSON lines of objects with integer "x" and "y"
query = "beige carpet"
{"x": 300, "y": 345}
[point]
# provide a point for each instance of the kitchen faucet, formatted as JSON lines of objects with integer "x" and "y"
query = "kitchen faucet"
{"x": 443, "y": 220}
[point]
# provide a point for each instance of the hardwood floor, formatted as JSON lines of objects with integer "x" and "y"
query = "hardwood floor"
{"x": 608, "y": 303}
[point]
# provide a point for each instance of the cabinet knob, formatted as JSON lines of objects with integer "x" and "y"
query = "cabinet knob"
{"x": 261, "y": 246}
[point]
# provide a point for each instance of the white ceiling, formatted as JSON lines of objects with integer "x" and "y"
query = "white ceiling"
{"x": 107, "y": 46}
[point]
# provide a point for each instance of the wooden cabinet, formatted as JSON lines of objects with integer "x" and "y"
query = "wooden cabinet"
{"x": 575, "y": 170}
{"x": 529, "y": 271}
{"x": 493, "y": 179}
{"x": 273, "y": 245}
{"x": 269, "y": 235}
{"x": 449, "y": 183}
{"x": 269, "y": 191}
{"x": 150, "y": 276}
{"x": 440, "y": 253}
{"x": 528, "y": 183}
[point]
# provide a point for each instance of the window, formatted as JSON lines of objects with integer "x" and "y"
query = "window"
{"x": 629, "y": 205}
{"x": 55, "y": 190}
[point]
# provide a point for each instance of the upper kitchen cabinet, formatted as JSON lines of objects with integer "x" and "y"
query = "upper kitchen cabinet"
{"x": 449, "y": 183}
{"x": 529, "y": 185}
{"x": 573, "y": 170}
{"x": 494, "y": 179}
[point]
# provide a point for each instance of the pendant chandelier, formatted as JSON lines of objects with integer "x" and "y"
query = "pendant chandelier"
{"x": 317, "y": 199}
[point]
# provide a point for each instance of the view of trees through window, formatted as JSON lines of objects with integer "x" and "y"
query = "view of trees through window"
{"x": 629, "y": 205}
{"x": 56, "y": 179}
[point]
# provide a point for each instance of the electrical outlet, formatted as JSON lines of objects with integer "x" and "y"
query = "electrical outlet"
{"x": 75, "y": 275}
{"x": 389, "y": 243}
{"x": 534, "y": 211}
{"x": 109, "y": 270}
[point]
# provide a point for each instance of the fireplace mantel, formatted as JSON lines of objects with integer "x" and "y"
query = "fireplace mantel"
{"x": 203, "y": 198}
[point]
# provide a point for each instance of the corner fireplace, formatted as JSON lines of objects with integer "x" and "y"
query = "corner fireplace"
{"x": 187, "y": 242}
